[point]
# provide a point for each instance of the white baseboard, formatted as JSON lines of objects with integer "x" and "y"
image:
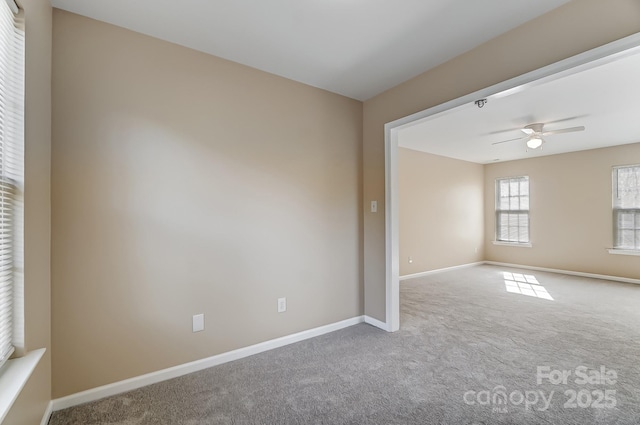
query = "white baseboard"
{"x": 516, "y": 266}
{"x": 47, "y": 414}
{"x": 184, "y": 369}
{"x": 568, "y": 272}
{"x": 377, "y": 323}
{"x": 446, "y": 269}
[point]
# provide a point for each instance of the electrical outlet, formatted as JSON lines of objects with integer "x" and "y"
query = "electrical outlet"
{"x": 282, "y": 305}
{"x": 198, "y": 323}
{"x": 410, "y": 260}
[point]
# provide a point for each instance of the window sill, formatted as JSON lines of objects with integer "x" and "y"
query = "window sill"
{"x": 13, "y": 376}
{"x": 624, "y": 251}
{"x": 516, "y": 244}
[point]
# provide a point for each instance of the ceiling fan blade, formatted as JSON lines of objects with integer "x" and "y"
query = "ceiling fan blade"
{"x": 506, "y": 130}
{"x": 566, "y": 119}
{"x": 563, "y": 130}
{"x": 510, "y": 140}
{"x": 528, "y": 131}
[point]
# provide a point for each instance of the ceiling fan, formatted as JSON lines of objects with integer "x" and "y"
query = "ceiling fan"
{"x": 534, "y": 134}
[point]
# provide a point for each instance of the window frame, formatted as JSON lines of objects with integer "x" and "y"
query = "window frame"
{"x": 617, "y": 210}
{"x": 498, "y": 212}
{"x": 12, "y": 147}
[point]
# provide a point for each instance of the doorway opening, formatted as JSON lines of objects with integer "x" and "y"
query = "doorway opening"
{"x": 573, "y": 65}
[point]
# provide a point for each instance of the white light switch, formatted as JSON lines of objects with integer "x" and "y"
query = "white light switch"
{"x": 198, "y": 322}
{"x": 282, "y": 305}
{"x": 374, "y": 206}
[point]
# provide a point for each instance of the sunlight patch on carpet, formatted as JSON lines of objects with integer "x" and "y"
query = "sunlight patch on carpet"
{"x": 525, "y": 284}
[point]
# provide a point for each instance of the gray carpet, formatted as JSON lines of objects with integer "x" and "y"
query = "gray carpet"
{"x": 462, "y": 333}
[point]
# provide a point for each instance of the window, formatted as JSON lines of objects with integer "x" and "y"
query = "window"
{"x": 512, "y": 210}
{"x": 626, "y": 208}
{"x": 11, "y": 174}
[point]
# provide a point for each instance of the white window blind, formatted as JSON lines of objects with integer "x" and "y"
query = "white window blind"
{"x": 512, "y": 209}
{"x": 11, "y": 170}
{"x": 626, "y": 207}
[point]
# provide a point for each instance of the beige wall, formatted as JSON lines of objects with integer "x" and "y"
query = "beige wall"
{"x": 182, "y": 184}
{"x": 574, "y": 28}
{"x": 571, "y": 219}
{"x": 441, "y": 211}
{"x": 32, "y": 402}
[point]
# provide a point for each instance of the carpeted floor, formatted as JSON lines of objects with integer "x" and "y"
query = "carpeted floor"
{"x": 466, "y": 337}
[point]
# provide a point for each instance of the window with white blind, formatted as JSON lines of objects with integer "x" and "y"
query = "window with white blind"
{"x": 626, "y": 208}
{"x": 512, "y": 210}
{"x": 11, "y": 174}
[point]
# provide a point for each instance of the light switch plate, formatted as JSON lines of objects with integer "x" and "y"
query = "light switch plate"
{"x": 198, "y": 322}
{"x": 374, "y": 206}
{"x": 282, "y": 305}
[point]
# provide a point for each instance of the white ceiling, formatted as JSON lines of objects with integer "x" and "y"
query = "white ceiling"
{"x": 358, "y": 48}
{"x": 605, "y": 99}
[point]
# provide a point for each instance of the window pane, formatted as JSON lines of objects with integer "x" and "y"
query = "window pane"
{"x": 504, "y": 203}
{"x": 523, "y": 235}
{"x": 504, "y": 219}
{"x": 524, "y": 202}
{"x": 514, "y": 187}
{"x": 626, "y": 220}
{"x": 514, "y": 203}
{"x": 627, "y": 239}
{"x": 504, "y": 187}
{"x": 523, "y": 220}
{"x": 513, "y": 233}
{"x": 513, "y": 220}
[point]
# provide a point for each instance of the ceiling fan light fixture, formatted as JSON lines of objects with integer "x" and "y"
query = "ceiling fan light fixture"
{"x": 534, "y": 143}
